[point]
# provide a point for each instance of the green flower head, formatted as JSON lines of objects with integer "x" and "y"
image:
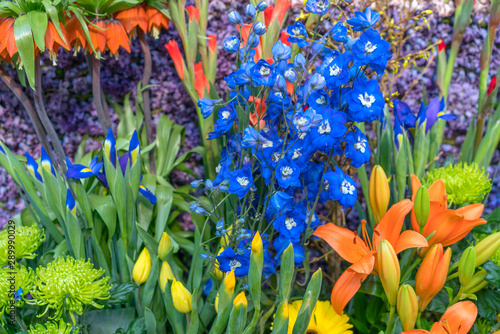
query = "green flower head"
{"x": 465, "y": 183}
{"x": 69, "y": 284}
{"x": 52, "y": 327}
{"x": 19, "y": 242}
{"x": 15, "y": 284}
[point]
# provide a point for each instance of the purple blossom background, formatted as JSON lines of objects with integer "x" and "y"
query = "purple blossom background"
{"x": 68, "y": 98}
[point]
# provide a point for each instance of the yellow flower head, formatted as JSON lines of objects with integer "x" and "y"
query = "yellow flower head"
{"x": 324, "y": 319}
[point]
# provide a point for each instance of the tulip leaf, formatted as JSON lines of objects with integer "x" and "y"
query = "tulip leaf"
{"x": 24, "y": 42}
{"x": 150, "y": 286}
{"x": 149, "y": 241}
{"x": 38, "y": 22}
{"x": 150, "y": 320}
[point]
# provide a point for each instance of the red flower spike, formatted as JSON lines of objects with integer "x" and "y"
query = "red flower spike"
{"x": 278, "y": 12}
{"x": 441, "y": 46}
{"x": 212, "y": 43}
{"x": 175, "y": 53}
{"x": 201, "y": 81}
{"x": 491, "y": 86}
{"x": 193, "y": 12}
{"x": 283, "y": 38}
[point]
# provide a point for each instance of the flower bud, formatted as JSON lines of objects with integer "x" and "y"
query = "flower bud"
{"x": 388, "y": 270}
{"x": 165, "y": 275}
{"x": 422, "y": 206}
{"x": 216, "y": 303}
{"x": 486, "y": 248}
{"x": 379, "y": 193}
{"x": 257, "y": 245}
{"x": 217, "y": 272}
{"x": 250, "y": 11}
{"x": 230, "y": 282}
{"x": 165, "y": 246}
{"x": 259, "y": 28}
{"x": 476, "y": 283}
{"x": 234, "y": 17}
{"x": 181, "y": 297}
{"x": 262, "y": 6}
{"x": 407, "y": 307}
{"x": 142, "y": 267}
{"x": 432, "y": 274}
{"x": 240, "y": 299}
{"x": 467, "y": 266}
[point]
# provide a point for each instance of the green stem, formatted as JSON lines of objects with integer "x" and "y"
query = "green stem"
{"x": 457, "y": 297}
{"x": 104, "y": 119}
{"x": 391, "y": 319}
{"x": 419, "y": 322}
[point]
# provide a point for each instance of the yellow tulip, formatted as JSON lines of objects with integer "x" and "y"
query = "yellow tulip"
{"x": 165, "y": 246}
{"x": 181, "y": 297}
{"x": 240, "y": 299}
{"x": 142, "y": 267}
{"x": 165, "y": 275}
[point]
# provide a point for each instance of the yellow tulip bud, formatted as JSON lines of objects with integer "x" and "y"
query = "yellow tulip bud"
{"x": 230, "y": 282}
{"x": 240, "y": 299}
{"x": 467, "y": 266}
{"x": 165, "y": 246}
{"x": 257, "y": 245}
{"x": 379, "y": 193}
{"x": 486, "y": 248}
{"x": 142, "y": 267}
{"x": 181, "y": 297}
{"x": 388, "y": 270}
{"x": 284, "y": 311}
{"x": 165, "y": 275}
{"x": 216, "y": 303}
{"x": 407, "y": 307}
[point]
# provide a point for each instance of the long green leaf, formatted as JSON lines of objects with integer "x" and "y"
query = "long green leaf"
{"x": 54, "y": 16}
{"x": 24, "y": 42}
{"x": 38, "y": 22}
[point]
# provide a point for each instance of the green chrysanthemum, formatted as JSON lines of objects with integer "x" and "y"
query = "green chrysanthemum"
{"x": 70, "y": 284}
{"x": 465, "y": 183}
{"x": 19, "y": 243}
{"x": 15, "y": 284}
{"x": 51, "y": 327}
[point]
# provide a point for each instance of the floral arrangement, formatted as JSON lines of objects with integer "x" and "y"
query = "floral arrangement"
{"x": 308, "y": 115}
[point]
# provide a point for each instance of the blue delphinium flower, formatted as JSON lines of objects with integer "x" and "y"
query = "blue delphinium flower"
{"x": 370, "y": 49}
{"x": 290, "y": 74}
{"x": 319, "y": 7}
{"x": 281, "y": 244}
{"x": 329, "y": 132}
{"x": 338, "y": 32}
{"x": 341, "y": 188}
{"x": 297, "y": 33}
{"x": 231, "y": 44}
{"x": 240, "y": 181}
{"x": 357, "y": 148}
{"x": 198, "y": 209}
{"x": 281, "y": 51}
{"x": 229, "y": 260}
{"x": 363, "y": 21}
{"x": 287, "y": 173}
{"x": 290, "y": 225}
{"x": 365, "y": 101}
{"x": 207, "y": 287}
{"x": 227, "y": 115}
{"x": 77, "y": 171}
{"x": 316, "y": 82}
{"x": 32, "y": 167}
{"x": 263, "y": 73}
{"x": 336, "y": 72}
{"x": 252, "y": 138}
{"x": 148, "y": 194}
{"x": 207, "y": 106}
{"x": 279, "y": 203}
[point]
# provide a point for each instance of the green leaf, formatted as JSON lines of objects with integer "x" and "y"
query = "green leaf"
{"x": 54, "y": 16}
{"x": 150, "y": 320}
{"x": 149, "y": 241}
{"x": 38, "y": 22}
{"x": 8, "y": 8}
{"x": 493, "y": 276}
{"x": 286, "y": 273}
{"x": 24, "y": 42}
{"x": 150, "y": 286}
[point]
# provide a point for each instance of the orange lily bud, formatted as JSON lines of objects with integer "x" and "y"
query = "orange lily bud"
{"x": 175, "y": 53}
{"x": 486, "y": 248}
{"x": 388, "y": 270}
{"x": 240, "y": 299}
{"x": 379, "y": 193}
{"x": 407, "y": 307}
{"x": 431, "y": 276}
{"x": 467, "y": 266}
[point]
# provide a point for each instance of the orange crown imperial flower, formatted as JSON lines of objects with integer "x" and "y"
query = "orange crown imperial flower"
{"x": 76, "y": 37}
{"x": 53, "y": 40}
{"x": 8, "y": 47}
{"x": 132, "y": 19}
{"x": 156, "y": 21}
{"x": 362, "y": 252}
{"x": 97, "y": 37}
{"x": 116, "y": 37}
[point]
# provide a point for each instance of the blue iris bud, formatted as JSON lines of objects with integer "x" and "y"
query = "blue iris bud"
{"x": 250, "y": 11}
{"x": 259, "y": 28}
{"x": 231, "y": 44}
{"x": 235, "y": 17}
{"x": 196, "y": 183}
{"x": 299, "y": 62}
{"x": 262, "y": 6}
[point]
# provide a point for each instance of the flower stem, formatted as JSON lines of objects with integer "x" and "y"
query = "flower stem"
{"x": 457, "y": 297}
{"x": 145, "y": 95}
{"x": 17, "y": 90}
{"x": 96, "y": 92}
{"x": 44, "y": 118}
{"x": 391, "y": 320}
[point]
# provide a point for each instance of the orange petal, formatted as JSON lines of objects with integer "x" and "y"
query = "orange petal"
{"x": 416, "y": 331}
{"x": 458, "y": 319}
{"x": 415, "y": 185}
{"x": 472, "y": 211}
{"x": 391, "y": 224}
{"x": 437, "y": 192}
{"x": 345, "y": 242}
{"x": 75, "y": 32}
{"x": 132, "y": 18}
{"x": 53, "y": 40}
{"x": 156, "y": 18}
{"x": 347, "y": 285}
{"x": 116, "y": 37}
{"x": 410, "y": 239}
{"x": 98, "y": 36}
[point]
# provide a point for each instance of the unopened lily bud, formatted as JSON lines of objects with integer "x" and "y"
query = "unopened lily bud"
{"x": 422, "y": 206}
{"x": 142, "y": 267}
{"x": 467, "y": 265}
{"x": 407, "y": 307}
{"x": 476, "y": 283}
{"x": 181, "y": 297}
{"x": 165, "y": 246}
{"x": 388, "y": 270}
{"x": 230, "y": 282}
{"x": 379, "y": 193}
{"x": 486, "y": 248}
{"x": 257, "y": 245}
{"x": 165, "y": 275}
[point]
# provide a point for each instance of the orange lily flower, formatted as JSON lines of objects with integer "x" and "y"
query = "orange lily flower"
{"x": 76, "y": 37}
{"x": 132, "y": 19}
{"x": 362, "y": 252}
{"x": 458, "y": 319}
{"x": 450, "y": 226}
{"x": 175, "y": 53}
{"x": 156, "y": 21}
{"x": 116, "y": 37}
{"x": 8, "y": 46}
{"x": 200, "y": 80}
{"x": 53, "y": 41}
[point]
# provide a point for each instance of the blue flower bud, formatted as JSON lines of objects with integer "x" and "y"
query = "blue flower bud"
{"x": 316, "y": 82}
{"x": 250, "y": 11}
{"x": 234, "y": 17}
{"x": 196, "y": 183}
{"x": 205, "y": 256}
{"x": 290, "y": 75}
{"x": 259, "y": 28}
{"x": 223, "y": 189}
{"x": 198, "y": 209}
{"x": 231, "y": 44}
{"x": 209, "y": 184}
{"x": 299, "y": 62}
{"x": 253, "y": 41}
{"x": 281, "y": 51}
{"x": 262, "y": 6}
{"x": 279, "y": 84}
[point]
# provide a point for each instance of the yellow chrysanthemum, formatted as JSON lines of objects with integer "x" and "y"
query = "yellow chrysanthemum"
{"x": 324, "y": 320}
